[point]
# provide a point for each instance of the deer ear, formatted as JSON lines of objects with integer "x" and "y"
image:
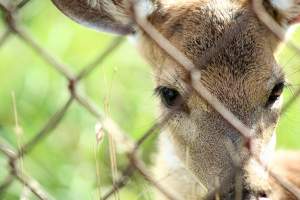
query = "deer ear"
{"x": 288, "y": 11}
{"x": 105, "y": 15}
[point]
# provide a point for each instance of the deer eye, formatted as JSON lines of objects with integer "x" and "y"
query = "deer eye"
{"x": 276, "y": 93}
{"x": 169, "y": 97}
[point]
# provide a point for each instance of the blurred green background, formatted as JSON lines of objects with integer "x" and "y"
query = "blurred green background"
{"x": 65, "y": 162}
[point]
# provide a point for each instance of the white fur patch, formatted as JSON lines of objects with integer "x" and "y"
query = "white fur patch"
{"x": 133, "y": 39}
{"x": 268, "y": 151}
{"x": 282, "y": 4}
{"x": 169, "y": 154}
{"x": 222, "y": 9}
{"x": 278, "y": 104}
{"x": 93, "y": 3}
{"x": 144, "y": 8}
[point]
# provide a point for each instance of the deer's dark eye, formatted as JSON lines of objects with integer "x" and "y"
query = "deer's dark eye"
{"x": 169, "y": 97}
{"x": 276, "y": 93}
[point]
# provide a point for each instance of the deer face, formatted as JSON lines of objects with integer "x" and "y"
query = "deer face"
{"x": 234, "y": 52}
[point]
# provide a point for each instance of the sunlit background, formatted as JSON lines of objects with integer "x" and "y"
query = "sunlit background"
{"x": 122, "y": 86}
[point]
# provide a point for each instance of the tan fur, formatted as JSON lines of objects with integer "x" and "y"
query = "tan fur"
{"x": 286, "y": 165}
{"x": 234, "y": 52}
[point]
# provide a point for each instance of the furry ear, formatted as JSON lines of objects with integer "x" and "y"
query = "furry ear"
{"x": 288, "y": 11}
{"x": 105, "y": 15}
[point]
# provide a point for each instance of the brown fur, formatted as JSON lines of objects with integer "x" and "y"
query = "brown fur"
{"x": 234, "y": 52}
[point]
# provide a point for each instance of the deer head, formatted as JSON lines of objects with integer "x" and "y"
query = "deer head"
{"x": 241, "y": 72}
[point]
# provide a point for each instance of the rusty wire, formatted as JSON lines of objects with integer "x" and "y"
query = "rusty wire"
{"x": 136, "y": 164}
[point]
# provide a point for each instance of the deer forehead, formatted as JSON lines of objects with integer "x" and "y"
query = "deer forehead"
{"x": 222, "y": 38}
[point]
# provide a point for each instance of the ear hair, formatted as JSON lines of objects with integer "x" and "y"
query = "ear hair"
{"x": 105, "y": 15}
{"x": 289, "y": 10}
{"x": 282, "y": 4}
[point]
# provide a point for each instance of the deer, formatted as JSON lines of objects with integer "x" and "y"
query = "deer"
{"x": 193, "y": 160}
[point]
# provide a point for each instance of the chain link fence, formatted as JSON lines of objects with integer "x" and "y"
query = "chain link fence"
{"x": 13, "y": 26}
